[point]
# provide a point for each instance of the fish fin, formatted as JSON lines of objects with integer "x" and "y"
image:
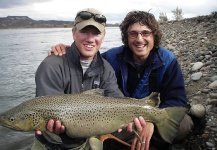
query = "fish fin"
{"x": 137, "y": 136}
{"x": 95, "y": 143}
{"x": 97, "y": 91}
{"x": 169, "y": 125}
{"x": 152, "y": 99}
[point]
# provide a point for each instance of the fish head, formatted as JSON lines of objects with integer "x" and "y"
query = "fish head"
{"x": 25, "y": 120}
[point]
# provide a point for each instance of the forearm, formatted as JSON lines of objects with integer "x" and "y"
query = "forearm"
{"x": 173, "y": 87}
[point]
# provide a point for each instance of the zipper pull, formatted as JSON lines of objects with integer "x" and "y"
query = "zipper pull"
{"x": 139, "y": 75}
{"x": 82, "y": 87}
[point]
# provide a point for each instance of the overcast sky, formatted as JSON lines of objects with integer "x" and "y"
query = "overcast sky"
{"x": 114, "y": 10}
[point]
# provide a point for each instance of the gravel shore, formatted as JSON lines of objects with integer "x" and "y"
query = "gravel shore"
{"x": 194, "y": 42}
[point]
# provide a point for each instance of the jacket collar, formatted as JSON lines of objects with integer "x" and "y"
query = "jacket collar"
{"x": 153, "y": 59}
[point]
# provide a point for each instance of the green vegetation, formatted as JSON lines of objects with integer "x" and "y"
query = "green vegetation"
{"x": 163, "y": 17}
{"x": 177, "y": 14}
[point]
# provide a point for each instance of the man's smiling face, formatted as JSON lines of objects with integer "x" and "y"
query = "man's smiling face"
{"x": 143, "y": 43}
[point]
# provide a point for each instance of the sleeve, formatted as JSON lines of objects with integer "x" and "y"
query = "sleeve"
{"x": 48, "y": 77}
{"x": 109, "y": 82}
{"x": 172, "y": 90}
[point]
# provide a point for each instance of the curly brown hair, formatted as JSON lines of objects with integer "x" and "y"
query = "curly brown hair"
{"x": 145, "y": 18}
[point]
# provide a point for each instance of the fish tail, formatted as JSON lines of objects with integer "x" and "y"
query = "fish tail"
{"x": 168, "y": 125}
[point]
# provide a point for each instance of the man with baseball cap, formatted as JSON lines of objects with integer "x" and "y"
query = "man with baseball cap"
{"x": 81, "y": 68}
{"x": 90, "y": 16}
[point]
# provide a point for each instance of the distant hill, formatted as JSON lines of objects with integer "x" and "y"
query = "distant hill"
{"x": 26, "y": 22}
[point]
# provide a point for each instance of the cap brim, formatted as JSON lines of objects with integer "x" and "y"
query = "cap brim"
{"x": 90, "y": 22}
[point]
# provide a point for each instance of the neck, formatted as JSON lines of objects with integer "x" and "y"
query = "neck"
{"x": 139, "y": 60}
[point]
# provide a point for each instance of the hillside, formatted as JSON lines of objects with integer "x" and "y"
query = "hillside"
{"x": 194, "y": 42}
{"x": 11, "y": 22}
{"x": 26, "y": 22}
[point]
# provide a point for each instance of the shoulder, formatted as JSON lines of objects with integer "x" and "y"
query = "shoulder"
{"x": 53, "y": 60}
{"x": 166, "y": 54}
{"x": 107, "y": 66}
{"x": 113, "y": 51}
{"x": 112, "y": 54}
{"x": 51, "y": 63}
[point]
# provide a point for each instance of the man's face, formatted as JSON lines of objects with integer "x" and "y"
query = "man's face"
{"x": 140, "y": 41}
{"x": 88, "y": 41}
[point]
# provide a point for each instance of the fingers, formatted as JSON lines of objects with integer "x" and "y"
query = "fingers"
{"x": 55, "y": 126}
{"x": 63, "y": 48}
{"x": 141, "y": 146}
{"x": 133, "y": 146}
{"x": 145, "y": 131}
{"x": 130, "y": 127}
{"x": 38, "y": 132}
{"x": 139, "y": 125}
{"x": 58, "y": 127}
{"x": 119, "y": 130}
{"x": 146, "y": 135}
{"x": 56, "y": 50}
{"x": 142, "y": 121}
{"x": 50, "y": 125}
{"x": 59, "y": 49}
{"x": 145, "y": 144}
{"x": 49, "y": 52}
{"x": 136, "y": 144}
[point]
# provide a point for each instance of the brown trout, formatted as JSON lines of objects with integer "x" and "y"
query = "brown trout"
{"x": 87, "y": 114}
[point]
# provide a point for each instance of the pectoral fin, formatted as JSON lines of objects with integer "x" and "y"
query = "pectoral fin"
{"x": 137, "y": 136}
{"x": 95, "y": 143}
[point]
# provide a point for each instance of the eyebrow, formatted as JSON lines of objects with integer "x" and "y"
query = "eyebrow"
{"x": 139, "y": 31}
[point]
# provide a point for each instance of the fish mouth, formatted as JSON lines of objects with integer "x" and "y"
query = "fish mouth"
{"x": 5, "y": 123}
{"x": 9, "y": 126}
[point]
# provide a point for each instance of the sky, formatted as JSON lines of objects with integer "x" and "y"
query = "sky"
{"x": 114, "y": 10}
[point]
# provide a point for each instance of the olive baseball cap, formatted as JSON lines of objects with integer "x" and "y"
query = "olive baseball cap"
{"x": 90, "y": 16}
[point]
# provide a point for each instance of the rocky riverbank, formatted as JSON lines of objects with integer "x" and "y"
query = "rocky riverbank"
{"x": 194, "y": 42}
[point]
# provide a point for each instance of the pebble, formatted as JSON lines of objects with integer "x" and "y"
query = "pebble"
{"x": 213, "y": 85}
{"x": 210, "y": 144}
{"x": 196, "y": 76}
{"x": 213, "y": 78}
{"x": 197, "y": 66}
{"x": 197, "y": 110}
{"x": 213, "y": 95}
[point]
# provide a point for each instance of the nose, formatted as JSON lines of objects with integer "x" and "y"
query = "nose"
{"x": 139, "y": 36}
{"x": 90, "y": 36}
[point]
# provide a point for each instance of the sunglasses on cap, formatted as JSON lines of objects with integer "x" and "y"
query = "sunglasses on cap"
{"x": 85, "y": 15}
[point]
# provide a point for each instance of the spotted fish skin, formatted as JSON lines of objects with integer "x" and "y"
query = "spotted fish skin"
{"x": 86, "y": 114}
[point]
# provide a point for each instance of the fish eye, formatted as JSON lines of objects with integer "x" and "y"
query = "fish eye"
{"x": 12, "y": 119}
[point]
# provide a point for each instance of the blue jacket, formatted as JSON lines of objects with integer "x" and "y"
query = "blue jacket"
{"x": 169, "y": 78}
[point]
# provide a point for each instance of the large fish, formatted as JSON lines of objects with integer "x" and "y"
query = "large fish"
{"x": 86, "y": 114}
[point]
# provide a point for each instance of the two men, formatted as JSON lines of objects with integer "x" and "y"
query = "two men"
{"x": 142, "y": 67}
